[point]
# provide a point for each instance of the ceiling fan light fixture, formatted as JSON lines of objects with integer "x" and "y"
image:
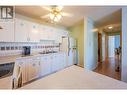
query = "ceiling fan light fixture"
{"x": 56, "y": 14}
{"x": 56, "y": 19}
{"x": 110, "y": 27}
{"x": 59, "y": 8}
{"x": 59, "y": 16}
{"x": 51, "y": 16}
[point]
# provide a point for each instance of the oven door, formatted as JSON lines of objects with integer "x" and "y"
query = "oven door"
{"x": 6, "y": 69}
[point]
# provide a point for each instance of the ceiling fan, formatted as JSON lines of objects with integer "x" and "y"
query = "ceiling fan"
{"x": 55, "y": 14}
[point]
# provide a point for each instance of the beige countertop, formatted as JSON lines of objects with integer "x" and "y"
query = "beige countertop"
{"x": 75, "y": 77}
{"x": 12, "y": 58}
{"x": 7, "y": 59}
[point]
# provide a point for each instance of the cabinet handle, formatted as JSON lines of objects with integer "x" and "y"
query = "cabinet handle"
{"x": 33, "y": 64}
{"x": 28, "y": 39}
{"x": 39, "y": 63}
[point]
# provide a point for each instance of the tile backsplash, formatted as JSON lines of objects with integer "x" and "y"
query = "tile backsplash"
{"x": 16, "y": 48}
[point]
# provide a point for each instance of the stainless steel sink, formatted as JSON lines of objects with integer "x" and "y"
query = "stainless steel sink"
{"x": 48, "y": 52}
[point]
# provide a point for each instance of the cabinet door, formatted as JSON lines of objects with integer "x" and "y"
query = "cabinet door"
{"x": 33, "y": 32}
{"x": 33, "y": 67}
{"x": 21, "y": 30}
{"x": 53, "y": 64}
{"x": 51, "y": 33}
{"x": 7, "y": 32}
{"x": 42, "y": 32}
{"x": 45, "y": 66}
{"x": 62, "y": 61}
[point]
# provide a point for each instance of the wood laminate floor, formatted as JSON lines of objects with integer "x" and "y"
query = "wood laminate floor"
{"x": 108, "y": 68}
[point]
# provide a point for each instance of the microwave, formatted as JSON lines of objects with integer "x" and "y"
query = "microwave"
{"x": 26, "y": 50}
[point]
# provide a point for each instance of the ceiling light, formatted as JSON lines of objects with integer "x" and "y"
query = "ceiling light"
{"x": 55, "y": 14}
{"x": 110, "y": 27}
{"x": 95, "y": 30}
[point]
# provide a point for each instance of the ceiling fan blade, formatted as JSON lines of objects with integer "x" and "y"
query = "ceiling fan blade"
{"x": 45, "y": 16}
{"x": 60, "y": 8}
{"x": 66, "y": 14}
{"x": 46, "y": 8}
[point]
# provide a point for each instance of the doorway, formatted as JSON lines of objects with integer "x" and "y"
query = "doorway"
{"x": 108, "y": 55}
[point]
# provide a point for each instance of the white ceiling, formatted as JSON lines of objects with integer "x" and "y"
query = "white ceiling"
{"x": 102, "y": 15}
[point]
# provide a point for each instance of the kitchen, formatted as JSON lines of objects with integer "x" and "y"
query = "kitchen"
{"x": 31, "y": 51}
{"x": 31, "y": 45}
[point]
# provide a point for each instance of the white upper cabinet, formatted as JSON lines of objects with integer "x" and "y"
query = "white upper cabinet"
{"x": 21, "y": 30}
{"x": 42, "y": 33}
{"x": 33, "y": 29}
{"x": 50, "y": 33}
{"x": 7, "y": 32}
{"x": 26, "y": 31}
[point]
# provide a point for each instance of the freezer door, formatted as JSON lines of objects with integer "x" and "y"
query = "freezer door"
{"x": 72, "y": 42}
{"x": 65, "y": 45}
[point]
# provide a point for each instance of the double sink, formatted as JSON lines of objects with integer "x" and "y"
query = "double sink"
{"x": 48, "y": 52}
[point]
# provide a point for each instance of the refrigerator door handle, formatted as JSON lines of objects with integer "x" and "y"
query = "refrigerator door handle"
{"x": 68, "y": 46}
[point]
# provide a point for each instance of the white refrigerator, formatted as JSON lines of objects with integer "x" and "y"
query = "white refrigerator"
{"x": 68, "y": 46}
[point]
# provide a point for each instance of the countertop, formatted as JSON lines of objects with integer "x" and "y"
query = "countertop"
{"x": 12, "y": 58}
{"x": 8, "y": 59}
{"x": 75, "y": 77}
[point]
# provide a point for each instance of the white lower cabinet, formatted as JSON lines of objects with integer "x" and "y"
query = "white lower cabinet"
{"x": 54, "y": 63}
{"x": 62, "y": 60}
{"x": 34, "y": 67}
{"x": 58, "y": 62}
{"x": 45, "y": 66}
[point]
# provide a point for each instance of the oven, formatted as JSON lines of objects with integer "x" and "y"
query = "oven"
{"x": 6, "y": 69}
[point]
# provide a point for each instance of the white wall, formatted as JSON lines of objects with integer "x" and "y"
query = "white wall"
{"x": 111, "y": 46}
{"x": 77, "y": 32}
{"x": 124, "y": 44}
{"x": 90, "y": 45}
{"x": 103, "y": 46}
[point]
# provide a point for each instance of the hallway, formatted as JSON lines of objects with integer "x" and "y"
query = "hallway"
{"x": 108, "y": 68}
